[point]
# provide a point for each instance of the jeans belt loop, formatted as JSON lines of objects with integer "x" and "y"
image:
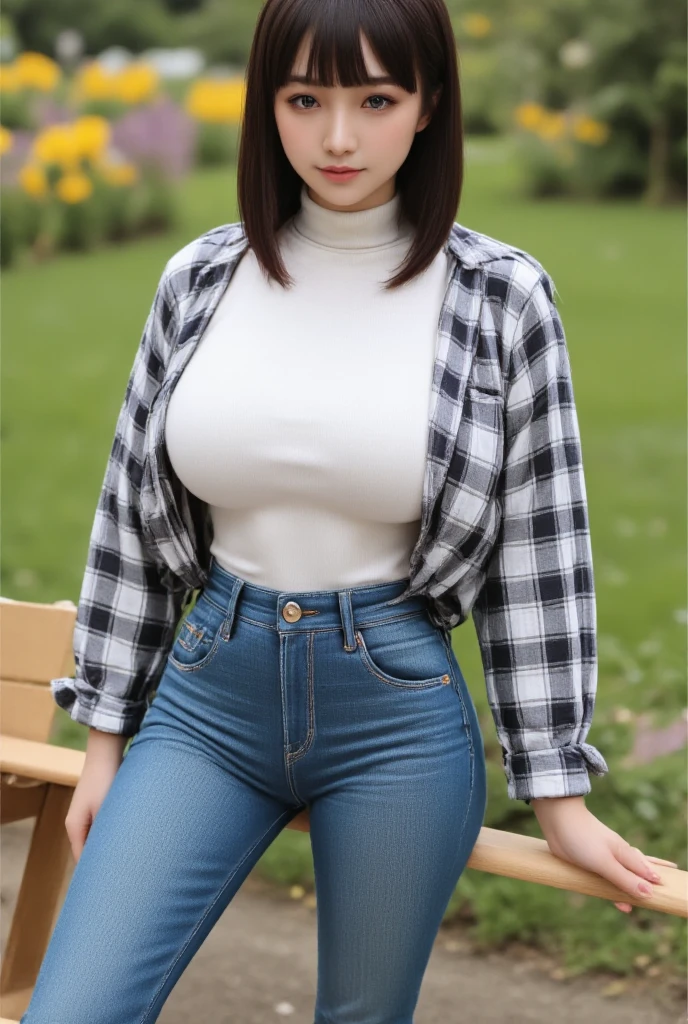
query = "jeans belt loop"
{"x": 231, "y": 608}
{"x": 347, "y": 614}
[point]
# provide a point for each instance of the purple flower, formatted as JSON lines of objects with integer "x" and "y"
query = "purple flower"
{"x": 49, "y": 112}
{"x": 160, "y": 134}
{"x": 17, "y": 156}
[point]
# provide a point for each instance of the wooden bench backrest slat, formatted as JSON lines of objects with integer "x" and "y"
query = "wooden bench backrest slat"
{"x": 26, "y": 710}
{"x": 35, "y": 647}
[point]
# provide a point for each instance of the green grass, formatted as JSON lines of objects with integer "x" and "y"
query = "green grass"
{"x": 70, "y": 330}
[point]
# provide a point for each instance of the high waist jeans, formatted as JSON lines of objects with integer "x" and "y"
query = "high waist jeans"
{"x": 272, "y": 701}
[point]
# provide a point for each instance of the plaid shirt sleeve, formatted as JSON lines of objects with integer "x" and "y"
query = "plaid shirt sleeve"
{"x": 535, "y": 615}
{"x": 128, "y": 608}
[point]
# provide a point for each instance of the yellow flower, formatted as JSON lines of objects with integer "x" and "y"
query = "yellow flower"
{"x": 57, "y": 144}
{"x": 33, "y": 180}
{"x": 552, "y": 126}
{"x": 9, "y": 82}
{"x": 588, "y": 130}
{"x": 92, "y": 134}
{"x": 92, "y": 81}
{"x": 476, "y": 25}
{"x": 5, "y": 140}
{"x": 68, "y": 144}
{"x": 530, "y": 116}
{"x": 216, "y": 100}
{"x": 36, "y": 71}
{"x": 74, "y": 187}
{"x": 119, "y": 174}
{"x": 136, "y": 83}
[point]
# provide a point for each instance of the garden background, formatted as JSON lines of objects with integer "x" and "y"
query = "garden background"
{"x": 120, "y": 123}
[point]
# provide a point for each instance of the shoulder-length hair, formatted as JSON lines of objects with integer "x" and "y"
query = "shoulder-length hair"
{"x": 411, "y": 39}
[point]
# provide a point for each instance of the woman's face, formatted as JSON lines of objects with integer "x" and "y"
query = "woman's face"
{"x": 369, "y": 128}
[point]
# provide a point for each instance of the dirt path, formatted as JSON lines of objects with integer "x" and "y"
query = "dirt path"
{"x": 259, "y": 965}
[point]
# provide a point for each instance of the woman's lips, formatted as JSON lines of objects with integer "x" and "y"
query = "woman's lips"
{"x": 339, "y": 175}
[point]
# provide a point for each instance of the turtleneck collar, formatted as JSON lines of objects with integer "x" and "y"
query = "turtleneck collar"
{"x": 360, "y": 229}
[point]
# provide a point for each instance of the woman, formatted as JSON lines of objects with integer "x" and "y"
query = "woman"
{"x": 350, "y": 423}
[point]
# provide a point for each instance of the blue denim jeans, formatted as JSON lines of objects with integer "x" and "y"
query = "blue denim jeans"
{"x": 270, "y": 702}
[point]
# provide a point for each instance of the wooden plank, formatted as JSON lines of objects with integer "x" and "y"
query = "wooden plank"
{"x": 41, "y": 894}
{"x": 27, "y": 710}
{"x": 531, "y": 860}
{"x": 8, "y": 1000}
{"x": 36, "y": 640}
{"x": 43, "y": 761}
{"x": 18, "y": 803}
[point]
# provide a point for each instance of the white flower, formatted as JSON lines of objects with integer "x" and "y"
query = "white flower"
{"x": 576, "y": 53}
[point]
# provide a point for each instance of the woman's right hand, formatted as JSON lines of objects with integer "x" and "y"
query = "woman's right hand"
{"x": 104, "y": 755}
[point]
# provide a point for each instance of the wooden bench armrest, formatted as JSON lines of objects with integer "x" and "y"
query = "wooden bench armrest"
{"x": 42, "y": 761}
{"x": 531, "y": 860}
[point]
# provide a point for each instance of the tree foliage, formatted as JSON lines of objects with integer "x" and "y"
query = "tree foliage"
{"x": 634, "y": 80}
{"x": 135, "y": 24}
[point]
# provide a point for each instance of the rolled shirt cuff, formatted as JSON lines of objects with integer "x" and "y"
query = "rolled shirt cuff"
{"x": 554, "y": 772}
{"x": 97, "y": 709}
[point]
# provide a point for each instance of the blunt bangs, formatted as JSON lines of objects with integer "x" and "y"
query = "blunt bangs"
{"x": 335, "y": 56}
{"x": 414, "y": 42}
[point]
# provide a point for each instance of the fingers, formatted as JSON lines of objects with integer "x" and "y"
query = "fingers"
{"x": 626, "y": 908}
{"x": 658, "y": 860}
{"x": 632, "y": 872}
{"x": 627, "y": 870}
{"x": 644, "y": 865}
{"x": 639, "y": 864}
{"x": 77, "y": 835}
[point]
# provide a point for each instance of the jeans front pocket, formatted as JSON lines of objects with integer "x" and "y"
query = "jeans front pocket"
{"x": 406, "y": 652}
{"x": 202, "y": 631}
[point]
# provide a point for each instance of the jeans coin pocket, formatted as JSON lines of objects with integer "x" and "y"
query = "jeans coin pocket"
{"x": 199, "y": 637}
{"x": 407, "y": 652}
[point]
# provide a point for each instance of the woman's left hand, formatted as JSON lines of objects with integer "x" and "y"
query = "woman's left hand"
{"x": 574, "y": 834}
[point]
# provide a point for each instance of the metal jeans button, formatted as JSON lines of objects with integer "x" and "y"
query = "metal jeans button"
{"x": 291, "y": 611}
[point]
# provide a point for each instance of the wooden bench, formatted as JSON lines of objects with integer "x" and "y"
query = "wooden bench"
{"x": 35, "y": 646}
{"x": 38, "y": 779}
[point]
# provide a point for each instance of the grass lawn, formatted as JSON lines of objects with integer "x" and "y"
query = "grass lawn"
{"x": 70, "y": 329}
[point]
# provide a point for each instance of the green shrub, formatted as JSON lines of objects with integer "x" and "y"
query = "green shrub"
{"x": 16, "y": 112}
{"x": 216, "y": 144}
{"x": 10, "y": 229}
{"x": 21, "y": 221}
{"x": 156, "y": 203}
{"x": 81, "y": 226}
{"x": 119, "y": 210}
{"x": 542, "y": 168}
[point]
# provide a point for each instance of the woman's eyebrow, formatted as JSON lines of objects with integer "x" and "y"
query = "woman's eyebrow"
{"x": 379, "y": 80}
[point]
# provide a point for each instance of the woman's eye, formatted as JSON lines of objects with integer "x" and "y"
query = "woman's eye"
{"x": 294, "y": 101}
{"x": 384, "y": 99}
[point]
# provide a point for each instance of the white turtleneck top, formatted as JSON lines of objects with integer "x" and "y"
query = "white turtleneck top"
{"x": 302, "y": 416}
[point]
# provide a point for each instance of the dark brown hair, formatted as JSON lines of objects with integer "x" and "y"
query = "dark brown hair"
{"x": 411, "y": 39}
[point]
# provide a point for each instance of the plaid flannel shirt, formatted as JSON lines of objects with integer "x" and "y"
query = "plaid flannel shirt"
{"x": 504, "y": 532}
